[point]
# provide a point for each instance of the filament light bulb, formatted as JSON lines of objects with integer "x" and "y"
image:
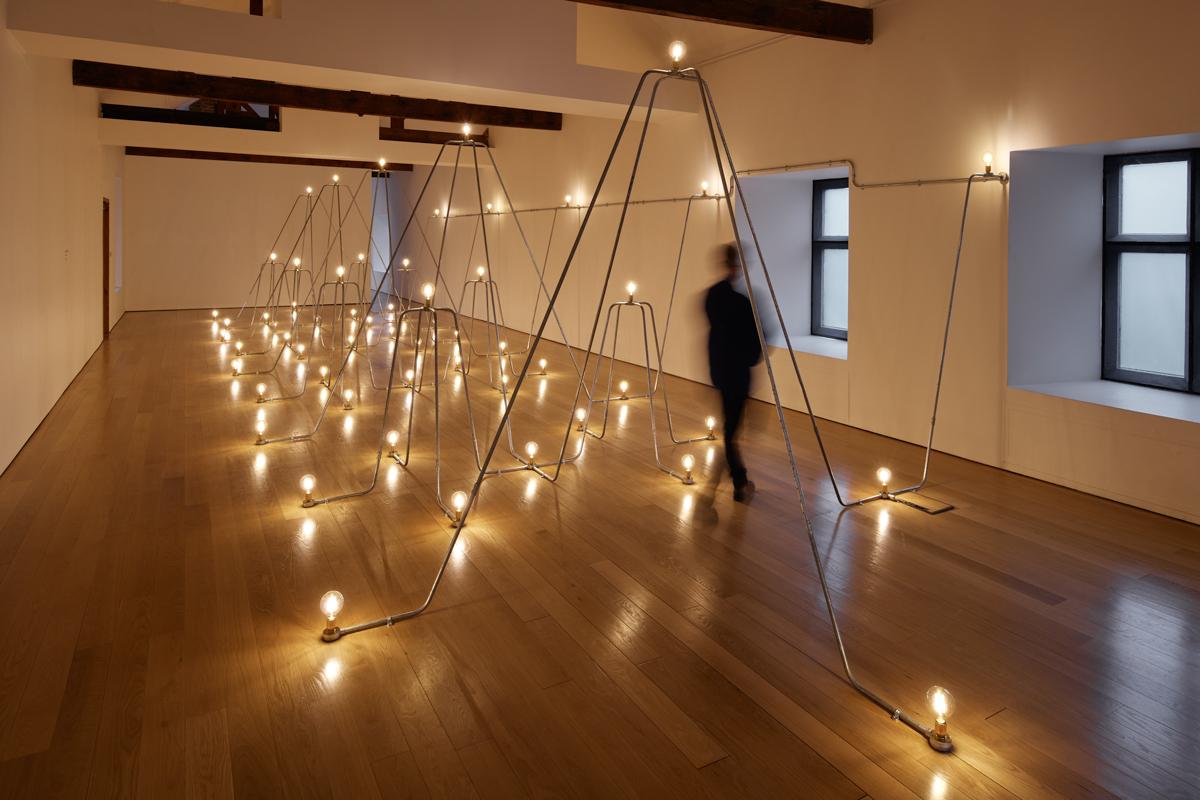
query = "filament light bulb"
{"x": 437, "y": 212}
{"x": 630, "y": 288}
{"x": 710, "y": 423}
{"x": 677, "y": 51}
{"x": 237, "y": 366}
{"x": 215, "y": 314}
{"x": 480, "y": 270}
{"x": 362, "y": 256}
{"x": 404, "y": 262}
{"x": 341, "y": 271}
{"x": 262, "y": 390}
{"x": 987, "y": 162}
{"x": 542, "y": 365}
{"x": 307, "y": 484}
{"x": 466, "y": 129}
{"x": 941, "y": 702}
{"x": 296, "y": 261}
{"x": 704, "y": 188}
{"x": 458, "y": 502}
{"x": 531, "y": 450}
{"x": 623, "y": 386}
{"x": 489, "y": 208}
{"x": 382, "y": 163}
{"x": 427, "y": 292}
{"x": 332, "y": 604}
{"x": 335, "y": 179}
{"x": 348, "y": 398}
{"x": 308, "y": 190}
{"x": 392, "y": 438}
{"x": 884, "y": 476}
{"x": 688, "y": 461}
{"x": 580, "y": 415}
{"x": 567, "y": 200}
{"x": 409, "y": 375}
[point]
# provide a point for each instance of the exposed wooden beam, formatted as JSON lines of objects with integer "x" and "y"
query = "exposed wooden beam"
{"x": 816, "y": 18}
{"x": 251, "y": 90}
{"x": 399, "y": 132}
{"x": 256, "y": 158}
{"x": 176, "y": 116}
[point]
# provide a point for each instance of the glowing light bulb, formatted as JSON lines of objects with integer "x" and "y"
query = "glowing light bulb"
{"x": 383, "y": 163}
{"x": 630, "y": 288}
{"x": 340, "y": 272}
{"x": 884, "y": 476}
{"x": 542, "y": 365}
{"x": 335, "y": 179}
{"x": 567, "y": 200}
{"x": 404, "y": 262}
{"x": 296, "y": 261}
{"x": 688, "y": 461}
{"x": 531, "y": 450}
{"x": 307, "y": 484}
{"x": 274, "y": 256}
{"x": 466, "y": 129}
{"x": 941, "y": 702}
{"x": 226, "y": 335}
{"x": 711, "y": 424}
{"x": 623, "y": 387}
{"x": 260, "y": 428}
{"x": 677, "y": 51}
{"x": 308, "y": 190}
{"x": 704, "y": 188}
{"x": 480, "y": 270}
{"x": 332, "y": 604}
{"x": 262, "y": 392}
{"x": 265, "y": 316}
{"x": 324, "y": 372}
{"x": 408, "y": 376}
{"x": 238, "y": 345}
{"x": 348, "y": 399}
{"x": 227, "y": 321}
{"x": 987, "y": 162}
{"x": 299, "y": 348}
{"x": 215, "y": 315}
{"x": 489, "y": 208}
{"x": 393, "y": 437}
{"x": 580, "y": 416}
{"x": 362, "y": 256}
{"x": 437, "y": 212}
{"x": 237, "y": 366}
{"x": 503, "y": 346}
{"x": 427, "y": 292}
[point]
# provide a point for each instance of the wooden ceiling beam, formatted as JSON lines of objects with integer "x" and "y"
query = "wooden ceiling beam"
{"x": 176, "y": 116}
{"x": 256, "y": 158}
{"x": 251, "y": 90}
{"x": 399, "y": 132}
{"x": 815, "y": 18}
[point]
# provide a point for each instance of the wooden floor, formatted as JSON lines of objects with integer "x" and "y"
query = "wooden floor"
{"x": 609, "y": 635}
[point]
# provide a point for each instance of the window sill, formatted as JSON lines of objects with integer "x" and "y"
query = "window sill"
{"x": 821, "y": 346}
{"x": 1125, "y": 396}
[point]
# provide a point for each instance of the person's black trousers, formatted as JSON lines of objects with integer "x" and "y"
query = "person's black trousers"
{"x": 733, "y": 405}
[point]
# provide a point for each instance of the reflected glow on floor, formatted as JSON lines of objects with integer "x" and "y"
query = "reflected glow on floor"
{"x": 332, "y": 670}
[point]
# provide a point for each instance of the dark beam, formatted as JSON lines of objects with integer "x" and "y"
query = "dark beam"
{"x": 816, "y": 18}
{"x": 398, "y": 132}
{"x": 251, "y": 90}
{"x": 209, "y": 155}
{"x": 175, "y": 116}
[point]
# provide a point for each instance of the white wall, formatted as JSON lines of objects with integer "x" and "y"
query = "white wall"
{"x": 50, "y": 226}
{"x": 196, "y": 232}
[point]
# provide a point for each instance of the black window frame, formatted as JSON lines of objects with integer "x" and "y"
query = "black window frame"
{"x": 820, "y": 244}
{"x": 1115, "y": 244}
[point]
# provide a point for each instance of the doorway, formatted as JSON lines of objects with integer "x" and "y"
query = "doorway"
{"x": 105, "y": 249}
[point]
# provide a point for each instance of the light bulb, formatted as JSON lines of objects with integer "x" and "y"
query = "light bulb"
{"x": 408, "y": 375}
{"x": 215, "y": 315}
{"x": 630, "y": 288}
{"x": 362, "y": 256}
{"x": 260, "y": 427}
{"x": 348, "y": 398}
{"x": 677, "y": 51}
{"x": 324, "y": 372}
{"x": 710, "y": 423}
{"x": 567, "y": 200}
{"x": 466, "y": 129}
{"x": 226, "y": 335}
{"x": 332, "y": 604}
{"x": 531, "y": 450}
{"x": 941, "y": 702}
{"x": 392, "y": 438}
{"x": 480, "y": 270}
{"x": 287, "y": 336}
{"x": 227, "y": 321}
{"x": 340, "y": 271}
{"x": 884, "y": 476}
{"x": 437, "y": 212}
{"x": 262, "y": 390}
{"x": 266, "y": 316}
{"x": 299, "y": 351}
{"x": 238, "y": 345}
{"x": 296, "y": 261}
{"x": 458, "y": 501}
{"x": 623, "y": 386}
{"x": 580, "y": 415}
{"x": 489, "y": 208}
{"x": 237, "y": 366}
{"x": 688, "y": 461}
{"x": 503, "y": 346}
{"x": 704, "y": 188}
{"x": 542, "y": 365}
{"x": 427, "y": 292}
{"x": 308, "y": 190}
{"x": 307, "y": 484}
{"x": 404, "y": 262}
{"x": 987, "y": 162}
{"x": 335, "y": 178}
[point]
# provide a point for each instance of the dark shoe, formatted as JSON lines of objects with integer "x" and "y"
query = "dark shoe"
{"x": 743, "y": 493}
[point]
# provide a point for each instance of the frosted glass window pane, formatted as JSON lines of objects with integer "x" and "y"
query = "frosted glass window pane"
{"x": 835, "y": 289}
{"x": 835, "y": 212}
{"x": 1152, "y": 312}
{"x": 1154, "y": 198}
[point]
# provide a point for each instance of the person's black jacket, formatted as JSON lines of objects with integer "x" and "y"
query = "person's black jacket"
{"x": 733, "y": 346}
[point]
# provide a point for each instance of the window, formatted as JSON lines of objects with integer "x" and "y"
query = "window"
{"x": 1151, "y": 330}
{"x": 831, "y": 258}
